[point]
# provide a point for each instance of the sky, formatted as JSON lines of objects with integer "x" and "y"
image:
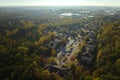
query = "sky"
{"x": 59, "y": 2}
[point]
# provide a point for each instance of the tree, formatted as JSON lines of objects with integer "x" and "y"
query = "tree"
{"x": 53, "y": 52}
{"x": 22, "y": 49}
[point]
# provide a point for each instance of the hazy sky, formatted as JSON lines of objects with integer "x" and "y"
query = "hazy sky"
{"x": 59, "y": 2}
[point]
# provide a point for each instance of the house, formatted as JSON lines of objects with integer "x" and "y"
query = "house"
{"x": 91, "y": 35}
{"x": 90, "y": 42}
{"x": 86, "y": 59}
{"x": 62, "y": 71}
{"x": 90, "y": 48}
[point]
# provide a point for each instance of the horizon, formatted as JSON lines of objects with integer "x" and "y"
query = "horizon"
{"x": 58, "y": 6}
{"x": 61, "y": 3}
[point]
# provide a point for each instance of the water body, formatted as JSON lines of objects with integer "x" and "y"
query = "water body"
{"x": 69, "y": 14}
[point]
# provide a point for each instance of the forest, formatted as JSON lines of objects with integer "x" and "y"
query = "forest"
{"x": 39, "y": 43}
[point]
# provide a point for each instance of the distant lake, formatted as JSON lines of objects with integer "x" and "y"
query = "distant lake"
{"x": 84, "y": 12}
{"x": 69, "y": 14}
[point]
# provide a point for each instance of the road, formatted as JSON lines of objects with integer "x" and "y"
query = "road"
{"x": 65, "y": 56}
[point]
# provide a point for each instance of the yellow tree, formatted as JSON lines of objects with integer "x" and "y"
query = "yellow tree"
{"x": 53, "y": 52}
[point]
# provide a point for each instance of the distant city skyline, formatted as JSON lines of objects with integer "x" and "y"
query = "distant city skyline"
{"x": 60, "y": 3}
